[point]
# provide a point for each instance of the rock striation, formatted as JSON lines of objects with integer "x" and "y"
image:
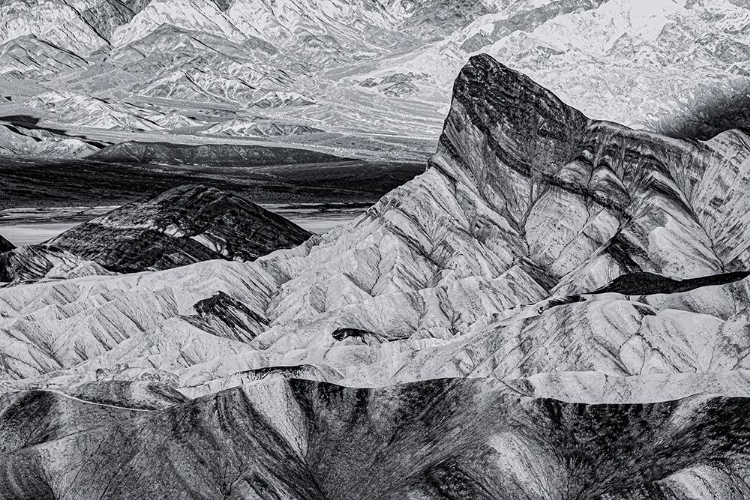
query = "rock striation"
{"x": 431, "y": 348}
{"x": 182, "y": 226}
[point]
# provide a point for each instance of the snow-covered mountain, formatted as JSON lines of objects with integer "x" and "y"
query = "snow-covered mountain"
{"x": 461, "y": 339}
{"x": 673, "y": 66}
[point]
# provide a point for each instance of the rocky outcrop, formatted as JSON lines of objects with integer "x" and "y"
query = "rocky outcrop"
{"x": 5, "y": 245}
{"x": 182, "y": 226}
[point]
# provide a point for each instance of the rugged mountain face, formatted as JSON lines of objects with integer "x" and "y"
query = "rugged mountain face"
{"x": 480, "y": 285}
{"x": 439, "y": 439}
{"x": 183, "y": 66}
{"x": 182, "y": 226}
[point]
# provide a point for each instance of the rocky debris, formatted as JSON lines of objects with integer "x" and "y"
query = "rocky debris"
{"x": 209, "y": 154}
{"x": 182, "y": 226}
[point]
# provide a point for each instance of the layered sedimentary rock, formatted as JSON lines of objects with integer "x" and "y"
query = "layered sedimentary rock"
{"x": 182, "y": 226}
{"x": 494, "y": 266}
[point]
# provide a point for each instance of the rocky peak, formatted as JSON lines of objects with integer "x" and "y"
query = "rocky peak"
{"x": 581, "y": 195}
{"x": 505, "y": 132}
{"x": 184, "y": 225}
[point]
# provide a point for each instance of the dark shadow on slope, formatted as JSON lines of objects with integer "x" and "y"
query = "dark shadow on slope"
{"x": 5, "y": 245}
{"x": 650, "y": 283}
{"x": 30, "y": 122}
{"x": 710, "y": 118}
{"x": 227, "y": 317}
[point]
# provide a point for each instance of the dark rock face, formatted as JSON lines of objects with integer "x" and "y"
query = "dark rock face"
{"x": 208, "y": 154}
{"x": 184, "y": 225}
{"x": 458, "y": 439}
{"x": 540, "y": 163}
{"x": 368, "y": 338}
{"x": 649, "y": 283}
{"x": 227, "y": 317}
{"x": 5, "y": 245}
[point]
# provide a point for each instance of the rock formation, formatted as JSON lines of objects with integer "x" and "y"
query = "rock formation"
{"x": 673, "y": 66}
{"x": 182, "y": 226}
{"x": 5, "y": 245}
{"x": 431, "y": 348}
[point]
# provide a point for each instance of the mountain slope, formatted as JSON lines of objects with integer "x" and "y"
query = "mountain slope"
{"x": 181, "y": 226}
{"x": 527, "y": 203}
{"x": 467, "y": 321}
{"x": 672, "y": 66}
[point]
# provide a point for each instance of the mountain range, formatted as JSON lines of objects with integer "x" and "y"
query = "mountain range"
{"x": 555, "y": 309}
{"x": 355, "y": 75}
